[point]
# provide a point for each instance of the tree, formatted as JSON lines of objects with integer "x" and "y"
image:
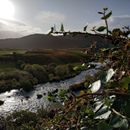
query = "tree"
{"x": 62, "y": 28}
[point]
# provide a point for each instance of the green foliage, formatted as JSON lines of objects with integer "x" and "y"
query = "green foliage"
{"x": 23, "y": 118}
{"x": 62, "y": 28}
{"x": 79, "y": 68}
{"x": 124, "y": 83}
{"x": 119, "y": 122}
{"x": 26, "y": 85}
{"x": 60, "y": 70}
{"x": 64, "y": 71}
{"x": 16, "y": 80}
{"x": 32, "y": 74}
{"x": 107, "y": 109}
{"x": 107, "y": 16}
{"x": 100, "y": 12}
{"x": 101, "y": 28}
{"x": 20, "y": 64}
{"x": 26, "y": 127}
{"x": 38, "y": 71}
{"x": 117, "y": 32}
{"x": 104, "y": 126}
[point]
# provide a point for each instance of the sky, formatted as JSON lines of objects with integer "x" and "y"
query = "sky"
{"x": 38, "y": 16}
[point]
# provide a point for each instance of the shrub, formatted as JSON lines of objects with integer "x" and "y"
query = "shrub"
{"x": 60, "y": 70}
{"x": 26, "y": 85}
{"x": 20, "y": 64}
{"x": 7, "y": 85}
{"x": 51, "y": 67}
{"x": 15, "y": 80}
{"x": 38, "y": 72}
{"x": 22, "y": 117}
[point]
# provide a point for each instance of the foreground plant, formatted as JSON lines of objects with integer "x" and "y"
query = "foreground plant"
{"x": 102, "y": 105}
{"x": 102, "y": 110}
{"x": 105, "y": 18}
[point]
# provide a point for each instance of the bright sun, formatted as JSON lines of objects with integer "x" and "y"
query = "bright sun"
{"x": 6, "y": 9}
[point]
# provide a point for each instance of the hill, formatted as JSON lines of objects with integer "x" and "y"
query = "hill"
{"x": 36, "y": 41}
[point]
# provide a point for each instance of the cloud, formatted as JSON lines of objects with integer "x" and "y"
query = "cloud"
{"x": 113, "y": 22}
{"x": 12, "y": 29}
{"x": 119, "y": 21}
{"x": 47, "y": 17}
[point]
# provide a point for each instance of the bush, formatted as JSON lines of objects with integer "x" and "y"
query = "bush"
{"x": 38, "y": 71}
{"x": 64, "y": 71}
{"x": 6, "y": 85}
{"x": 20, "y": 64}
{"x": 60, "y": 71}
{"x": 27, "y": 85}
{"x": 51, "y": 67}
{"x": 16, "y": 80}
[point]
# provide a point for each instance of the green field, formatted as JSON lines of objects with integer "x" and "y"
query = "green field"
{"x": 7, "y": 67}
{"x": 42, "y": 56}
{"x": 11, "y": 51}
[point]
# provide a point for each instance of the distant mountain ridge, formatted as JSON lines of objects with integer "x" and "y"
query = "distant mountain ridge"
{"x": 36, "y": 41}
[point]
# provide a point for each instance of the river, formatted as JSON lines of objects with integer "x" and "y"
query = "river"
{"x": 16, "y": 100}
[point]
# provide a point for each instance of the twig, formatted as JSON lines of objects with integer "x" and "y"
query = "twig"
{"x": 104, "y": 93}
{"x": 119, "y": 114}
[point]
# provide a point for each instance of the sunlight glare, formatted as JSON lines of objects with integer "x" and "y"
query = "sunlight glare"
{"x": 6, "y": 9}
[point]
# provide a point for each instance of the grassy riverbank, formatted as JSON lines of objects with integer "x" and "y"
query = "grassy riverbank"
{"x": 26, "y": 68}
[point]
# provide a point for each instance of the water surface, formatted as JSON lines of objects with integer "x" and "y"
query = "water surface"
{"x": 19, "y": 100}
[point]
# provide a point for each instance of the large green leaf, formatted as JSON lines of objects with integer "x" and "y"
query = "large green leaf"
{"x": 62, "y": 93}
{"x": 107, "y": 15}
{"x": 103, "y": 113}
{"x": 101, "y": 28}
{"x": 119, "y": 122}
{"x": 100, "y": 12}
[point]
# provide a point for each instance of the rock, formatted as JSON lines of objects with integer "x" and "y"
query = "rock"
{"x": 55, "y": 91}
{"x": 27, "y": 97}
{"x": 39, "y": 96}
{"x": 1, "y": 102}
{"x": 44, "y": 93}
